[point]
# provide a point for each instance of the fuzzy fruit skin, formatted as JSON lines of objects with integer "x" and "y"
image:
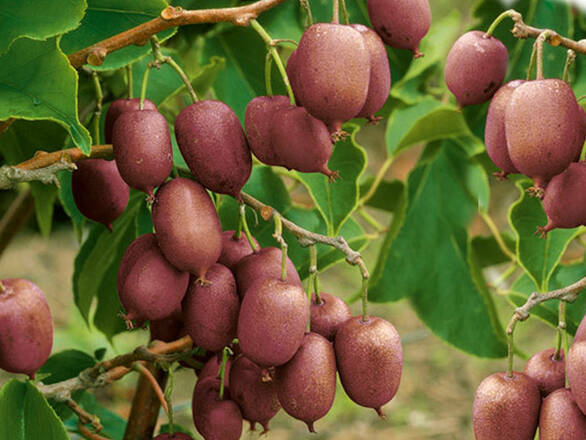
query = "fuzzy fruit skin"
{"x": 475, "y": 67}
{"x": 576, "y": 370}
{"x": 210, "y": 311}
{"x": 379, "y": 84}
{"x": 26, "y": 327}
{"x": 506, "y": 407}
{"x": 255, "y": 392}
{"x": 215, "y": 419}
{"x": 332, "y": 80}
{"x": 98, "y": 190}
{"x": 494, "y": 131}
{"x": 121, "y": 106}
{"x": 328, "y": 315}
{"x": 272, "y": 321}
{"x": 263, "y": 264}
{"x": 142, "y": 149}
{"x": 370, "y": 360}
{"x": 257, "y": 123}
{"x": 168, "y": 329}
{"x": 300, "y": 141}
{"x": 565, "y": 199}
{"x": 187, "y": 226}
{"x": 212, "y": 369}
{"x": 175, "y": 436}
{"x": 234, "y": 250}
{"x": 292, "y": 68}
{"x": 543, "y": 143}
{"x": 581, "y": 332}
{"x": 150, "y": 287}
{"x": 400, "y": 23}
{"x": 307, "y": 383}
{"x": 560, "y": 418}
{"x": 547, "y": 372}
{"x": 214, "y": 146}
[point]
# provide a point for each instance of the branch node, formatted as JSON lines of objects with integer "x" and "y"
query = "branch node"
{"x": 171, "y": 12}
{"x": 97, "y": 56}
{"x": 266, "y": 212}
{"x": 244, "y": 19}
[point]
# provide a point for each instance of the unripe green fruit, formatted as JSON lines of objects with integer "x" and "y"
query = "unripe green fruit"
{"x": 328, "y": 315}
{"x": 560, "y": 418}
{"x": 122, "y": 106}
{"x": 576, "y": 370}
{"x": 547, "y": 372}
{"x": 215, "y": 419}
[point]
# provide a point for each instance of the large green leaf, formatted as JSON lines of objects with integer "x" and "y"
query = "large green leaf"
{"x": 538, "y": 256}
{"x": 488, "y": 252}
{"x": 22, "y": 18}
{"x": 65, "y": 365}
{"x": 430, "y": 261}
{"x": 37, "y": 82}
{"x": 68, "y": 204}
{"x": 337, "y": 200}
{"x": 26, "y": 415}
{"x": 105, "y": 18}
{"x": 387, "y": 195}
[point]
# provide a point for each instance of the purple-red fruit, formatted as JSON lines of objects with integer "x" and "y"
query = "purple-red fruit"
{"x": 142, "y": 149}
{"x": 547, "y": 372}
{"x": 263, "y": 264}
{"x": 476, "y": 67}
{"x": 581, "y": 331}
{"x": 328, "y": 315}
{"x": 168, "y": 329}
{"x": 214, "y": 146}
{"x": 370, "y": 360}
{"x": 257, "y": 123}
{"x": 506, "y": 408}
{"x": 234, "y": 249}
{"x": 98, "y": 190}
{"x": 187, "y": 226}
{"x": 560, "y": 418}
{"x": 122, "y": 106}
{"x": 26, "y": 327}
{"x": 175, "y": 436}
{"x": 544, "y": 129}
{"x": 576, "y": 370}
{"x": 307, "y": 383}
{"x": 494, "y": 131}
{"x": 150, "y": 288}
{"x": 255, "y": 392}
{"x": 332, "y": 73}
{"x": 401, "y": 23}
{"x": 210, "y": 311}
{"x": 215, "y": 419}
{"x": 272, "y": 321}
{"x": 212, "y": 369}
{"x": 292, "y": 68}
{"x": 564, "y": 201}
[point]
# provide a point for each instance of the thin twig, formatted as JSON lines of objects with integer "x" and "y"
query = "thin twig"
{"x": 11, "y": 176}
{"x": 84, "y": 417}
{"x": 83, "y": 430}
{"x": 154, "y": 384}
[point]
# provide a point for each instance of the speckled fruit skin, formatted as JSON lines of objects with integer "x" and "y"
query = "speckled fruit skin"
{"x": 547, "y": 372}
{"x": 272, "y": 321}
{"x": 581, "y": 332}
{"x": 576, "y": 370}
{"x": 210, "y": 311}
{"x": 142, "y": 149}
{"x": 26, "y": 327}
{"x": 255, "y": 392}
{"x": 475, "y": 67}
{"x": 560, "y": 418}
{"x": 494, "y": 131}
{"x": 257, "y": 123}
{"x": 370, "y": 360}
{"x": 564, "y": 201}
{"x": 215, "y": 419}
{"x": 121, "y": 106}
{"x": 98, "y": 190}
{"x": 328, "y": 315}
{"x": 214, "y": 146}
{"x": 263, "y": 264}
{"x": 150, "y": 288}
{"x": 175, "y": 436}
{"x": 187, "y": 226}
{"x": 212, "y": 369}
{"x": 306, "y": 385}
{"x": 292, "y": 68}
{"x": 332, "y": 81}
{"x": 542, "y": 143}
{"x": 506, "y": 408}
{"x": 168, "y": 329}
{"x": 300, "y": 141}
{"x": 400, "y": 23}
{"x": 234, "y": 249}
{"x": 379, "y": 84}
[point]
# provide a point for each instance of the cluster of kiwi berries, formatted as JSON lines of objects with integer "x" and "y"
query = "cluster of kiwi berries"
{"x": 536, "y": 127}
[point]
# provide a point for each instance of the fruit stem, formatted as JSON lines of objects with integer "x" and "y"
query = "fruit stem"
{"x": 345, "y": 15}
{"x": 539, "y": 44}
{"x": 496, "y": 22}
{"x": 336, "y": 12}
{"x": 278, "y": 235}
{"x": 313, "y": 273}
{"x": 242, "y": 220}
{"x": 561, "y": 329}
{"x": 143, "y": 87}
{"x": 130, "y": 85}
{"x": 98, "y": 111}
{"x": 364, "y": 299}
{"x": 570, "y": 58}
{"x": 226, "y": 352}
{"x": 268, "y": 65}
{"x": 510, "y": 348}
{"x": 168, "y": 392}
{"x": 531, "y": 62}
{"x": 273, "y": 51}
{"x": 309, "y": 18}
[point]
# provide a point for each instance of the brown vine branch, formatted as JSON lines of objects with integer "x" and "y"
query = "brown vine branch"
{"x": 154, "y": 385}
{"x": 84, "y": 417}
{"x": 89, "y": 434}
{"x": 10, "y": 176}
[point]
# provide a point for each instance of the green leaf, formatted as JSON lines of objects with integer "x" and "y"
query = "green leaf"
{"x": 429, "y": 259}
{"x": 387, "y": 196}
{"x": 337, "y": 200}
{"x": 488, "y": 252}
{"x": 37, "y": 82}
{"x": 538, "y": 256}
{"x": 68, "y": 204}
{"x": 44, "y": 196}
{"x": 22, "y": 18}
{"x": 26, "y": 415}
{"x": 65, "y": 365}
{"x": 113, "y": 426}
{"x": 105, "y": 18}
